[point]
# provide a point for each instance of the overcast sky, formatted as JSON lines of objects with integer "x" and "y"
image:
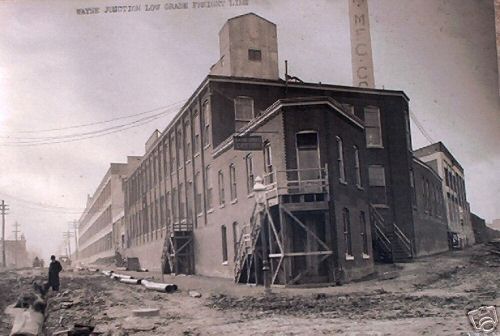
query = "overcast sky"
{"x": 59, "y": 69}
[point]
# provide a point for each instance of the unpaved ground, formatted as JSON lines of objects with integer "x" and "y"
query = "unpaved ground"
{"x": 430, "y": 297}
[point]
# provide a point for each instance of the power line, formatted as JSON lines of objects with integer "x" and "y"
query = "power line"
{"x": 45, "y": 206}
{"x": 421, "y": 127}
{"x": 37, "y": 143}
{"x": 80, "y": 136}
{"x": 100, "y": 122}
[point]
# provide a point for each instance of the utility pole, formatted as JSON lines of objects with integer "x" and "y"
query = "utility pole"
{"x": 3, "y": 210}
{"x": 68, "y": 234}
{"x": 74, "y": 224}
{"x": 16, "y": 230}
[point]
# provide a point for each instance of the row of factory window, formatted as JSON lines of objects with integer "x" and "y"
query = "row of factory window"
{"x": 454, "y": 208}
{"x": 432, "y": 199}
{"x": 97, "y": 206}
{"x": 100, "y": 223}
{"x": 176, "y": 149}
{"x": 101, "y": 245}
{"x": 456, "y": 183}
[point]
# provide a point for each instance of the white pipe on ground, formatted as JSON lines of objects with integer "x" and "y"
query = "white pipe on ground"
{"x": 131, "y": 281}
{"x": 27, "y": 322}
{"x": 159, "y": 287}
{"x": 107, "y": 273}
{"x": 120, "y": 276}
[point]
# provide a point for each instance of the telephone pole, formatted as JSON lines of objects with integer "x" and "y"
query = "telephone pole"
{"x": 74, "y": 224}
{"x": 16, "y": 230}
{"x": 3, "y": 209}
{"x": 68, "y": 234}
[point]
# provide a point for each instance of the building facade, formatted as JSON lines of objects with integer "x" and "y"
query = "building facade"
{"x": 439, "y": 158}
{"x": 103, "y": 215}
{"x": 16, "y": 253}
{"x": 336, "y": 162}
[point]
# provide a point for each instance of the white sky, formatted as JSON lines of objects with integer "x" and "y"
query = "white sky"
{"x": 60, "y": 69}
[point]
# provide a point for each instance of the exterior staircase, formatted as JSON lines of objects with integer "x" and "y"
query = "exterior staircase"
{"x": 389, "y": 242}
{"x": 246, "y": 247}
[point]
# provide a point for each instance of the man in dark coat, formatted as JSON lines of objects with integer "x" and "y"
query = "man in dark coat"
{"x": 54, "y": 269}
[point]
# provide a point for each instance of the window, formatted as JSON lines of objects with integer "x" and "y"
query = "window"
{"x": 372, "y": 127}
{"x": 224, "y": 243}
{"x": 348, "y": 108}
{"x": 236, "y": 237}
{"x": 347, "y": 232}
{"x": 376, "y": 176}
{"x": 243, "y": 111}
{"x": 254, "y": 55}
{"x": 187, "y": 140}
{"x": 174, "y": 205}
{"x": 308, "y": 162}
{"x": 160, "y": 162}
{"x": 173, "y": 155}
{"x": 232, "y": 181}
{"x": 197, "y": 191}
{"x": 357, "y": 168}
{"x": 206, "y": 119}
{"x": 250, "y": 176}
{"x": 268, "y": 164}
{"x": 180, "y": 141}
{"x": 189, "y": 200}
{"x": 182, "y": 199}
{"x": 208, "y": 188}
{"x": 196, "y": 127}
{"x": 221, "y": 188}
{"x": 165, "y": 157}
{"x": 364, "y": 232}
{"x": 340, "y": 160}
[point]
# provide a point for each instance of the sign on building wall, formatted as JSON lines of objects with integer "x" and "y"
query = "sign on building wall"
{"x": 247, "y": 142}
{"x": 361, "y": 49}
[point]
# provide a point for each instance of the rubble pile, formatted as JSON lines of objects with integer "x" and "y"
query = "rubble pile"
{"x": 377, "y": 305}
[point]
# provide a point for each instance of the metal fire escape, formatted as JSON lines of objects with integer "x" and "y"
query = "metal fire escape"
{"x": 178, "y": 253}
{"x": 287, "y": 197}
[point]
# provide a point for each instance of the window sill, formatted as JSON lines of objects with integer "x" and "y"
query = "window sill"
{"x": 381, "y": 206}
{"x": 223, "y": 205}
{"x": 359, "y": 187}
{"x": 199, "y": 215}
{"x": 188, "y": 161}
{"x": 210, "y": 211}
{"x": 234, "y": 201}
{"x": 251, "y": 195}
{"x": 197, "y": 154}
{"x": 366, "y": 256}
{"x": 225, "y": 263}
{"x": 349, "y": 257}
{"x": 375, "y": 146}
{"x": 344, "y": 182}
{"x": 206, "y": 146}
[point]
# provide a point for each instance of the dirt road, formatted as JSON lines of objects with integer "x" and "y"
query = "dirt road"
{"x": 429, "y": 297}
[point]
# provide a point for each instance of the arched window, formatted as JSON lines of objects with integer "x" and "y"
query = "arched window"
{"x": 357, "y": 167}
{"x": 347, "y": 232}
{"x": 340, "y": 160}
{"x": 249, "y": 170}
{"x": 224, "y": 243}
{"x": 232, "y": 181}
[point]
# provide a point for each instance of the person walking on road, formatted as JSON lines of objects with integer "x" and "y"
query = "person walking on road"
{"x": 54, "y": 269}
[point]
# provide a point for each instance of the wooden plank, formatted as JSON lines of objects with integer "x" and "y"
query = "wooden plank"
{"x": 305, "y": 227}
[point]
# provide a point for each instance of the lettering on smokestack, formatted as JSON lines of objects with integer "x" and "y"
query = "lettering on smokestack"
{"x": 361, "y": 48}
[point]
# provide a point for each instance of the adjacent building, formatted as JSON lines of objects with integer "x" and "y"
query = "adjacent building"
{"x": 439, "y": 158}
{"x": 100, "y": 225}
{"x": 16, "y": 253}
